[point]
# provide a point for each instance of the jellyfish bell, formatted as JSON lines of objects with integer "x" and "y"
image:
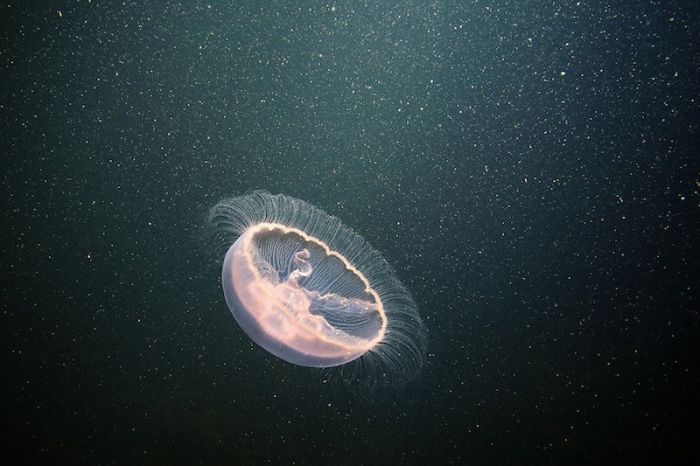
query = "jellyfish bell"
{"x": 311, "y": 291}
{"x": 320, "y": 320}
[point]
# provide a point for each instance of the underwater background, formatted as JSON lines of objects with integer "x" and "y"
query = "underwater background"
{"x": 529, "y": 168}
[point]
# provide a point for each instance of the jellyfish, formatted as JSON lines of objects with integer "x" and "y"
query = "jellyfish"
{"x": 311, "y": 291}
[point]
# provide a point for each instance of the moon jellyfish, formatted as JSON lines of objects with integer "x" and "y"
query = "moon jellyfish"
{"x": 311, "y": 291}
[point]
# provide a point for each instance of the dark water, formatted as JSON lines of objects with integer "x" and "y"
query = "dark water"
{"x": 530, "y": 169}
